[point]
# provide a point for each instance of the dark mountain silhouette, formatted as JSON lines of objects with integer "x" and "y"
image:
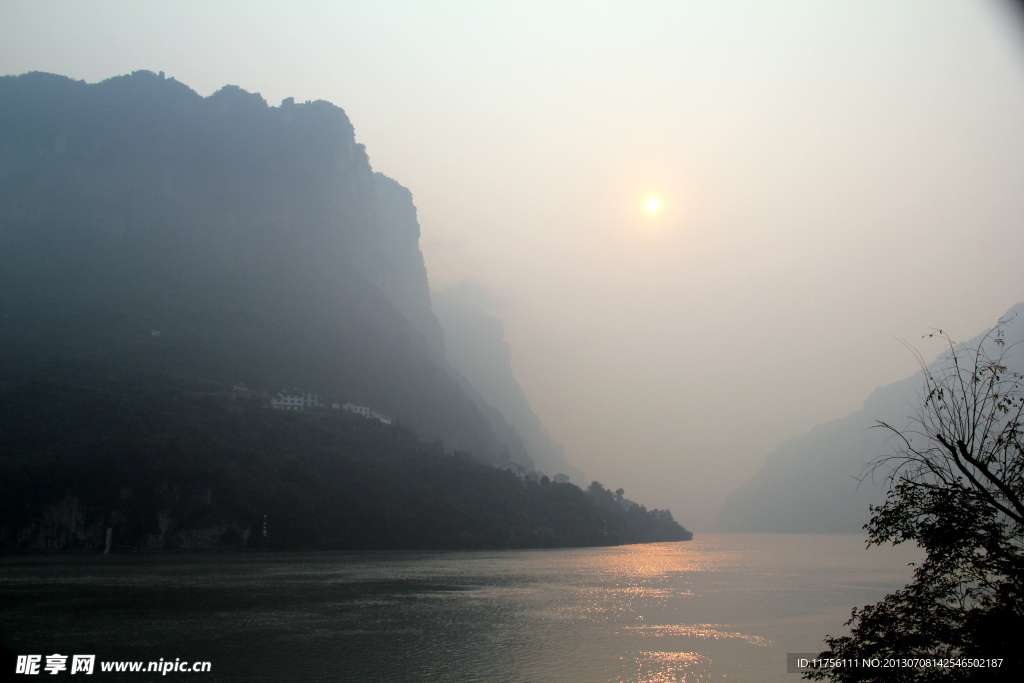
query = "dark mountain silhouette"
{"x": 811, "y": 484}
{"x": 158, "y": 251}
{"x": 149, "y": 227}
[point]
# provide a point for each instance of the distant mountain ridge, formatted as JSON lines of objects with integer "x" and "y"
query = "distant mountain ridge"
{"x": 146, "y": 226}
{"x": 476, "y": 346}
{"x": 811, "y": 484}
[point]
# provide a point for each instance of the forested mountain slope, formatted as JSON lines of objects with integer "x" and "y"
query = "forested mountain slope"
{"x": 160, "y": 463}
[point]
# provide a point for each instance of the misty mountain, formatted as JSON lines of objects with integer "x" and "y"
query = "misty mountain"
{"x": 476, "y": 347}
{"x": 810, "y": 484}
{"x": 150, "y": 228}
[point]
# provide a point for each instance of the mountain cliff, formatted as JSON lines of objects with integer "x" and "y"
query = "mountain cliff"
{"x": 168, "y": 262}
{"x": 145, "y": 226}
{"x": 811, "y": 484}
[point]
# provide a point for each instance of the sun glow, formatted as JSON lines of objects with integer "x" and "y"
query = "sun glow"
{"x": 653, "y": 204}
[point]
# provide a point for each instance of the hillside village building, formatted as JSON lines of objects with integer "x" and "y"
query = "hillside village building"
{"x": 364, "y": 411}
{"x": 294, "y": 400}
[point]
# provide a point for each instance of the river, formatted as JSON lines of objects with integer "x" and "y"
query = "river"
{"x": 723, "y": 607}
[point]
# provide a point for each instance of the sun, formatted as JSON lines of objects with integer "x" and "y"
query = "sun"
{"x": 653, "y": 204}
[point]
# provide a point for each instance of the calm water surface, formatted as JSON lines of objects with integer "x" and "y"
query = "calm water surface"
{"x": 720, "y": 607}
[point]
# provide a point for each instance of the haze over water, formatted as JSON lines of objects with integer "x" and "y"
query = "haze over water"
{"x": 721, "y": 607}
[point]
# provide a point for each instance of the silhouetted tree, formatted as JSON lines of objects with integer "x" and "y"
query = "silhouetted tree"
{"x": 957, "y": 485}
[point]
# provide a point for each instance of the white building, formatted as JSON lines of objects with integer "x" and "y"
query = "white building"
{"x": 364, "y": 411}
{"x": 294, "y": 400}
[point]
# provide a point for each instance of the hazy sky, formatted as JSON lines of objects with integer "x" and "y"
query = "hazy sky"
{"x": 834, "y": 176}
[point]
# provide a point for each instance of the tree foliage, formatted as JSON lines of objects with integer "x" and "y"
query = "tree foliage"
{"x": 957, "y": 485}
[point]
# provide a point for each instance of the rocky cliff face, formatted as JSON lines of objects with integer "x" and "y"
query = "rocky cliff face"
{"x": 394, "y": 263}
{"x": 146, "y": 226}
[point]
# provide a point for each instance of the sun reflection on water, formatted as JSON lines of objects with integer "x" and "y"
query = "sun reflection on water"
{"x": 660, "y": 560}
{"x": 671, "y": 667}
{"x": 698, "y": 631}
